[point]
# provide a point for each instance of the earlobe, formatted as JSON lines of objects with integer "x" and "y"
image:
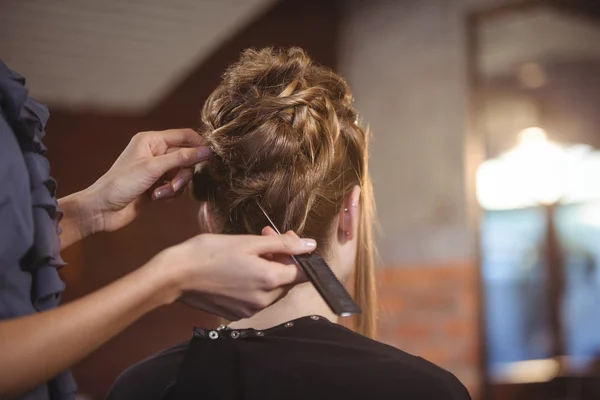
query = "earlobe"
{"x": 348, "y": 216}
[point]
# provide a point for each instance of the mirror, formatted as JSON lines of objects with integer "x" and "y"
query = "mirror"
{"x": 536, "y": 91}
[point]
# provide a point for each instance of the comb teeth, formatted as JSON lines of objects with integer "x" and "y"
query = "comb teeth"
{"x": 329, "y": 287}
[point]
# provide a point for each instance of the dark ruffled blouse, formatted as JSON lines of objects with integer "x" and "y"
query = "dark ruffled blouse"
{"x": 29, "y": 217}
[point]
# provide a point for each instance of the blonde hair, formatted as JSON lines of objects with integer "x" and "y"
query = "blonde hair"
{"x": 284, "y": 133}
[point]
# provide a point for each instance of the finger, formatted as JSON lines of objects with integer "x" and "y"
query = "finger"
{"x": 280, "y": 258}
{"x": 182, "y": 158}
{"x": 169, "y": 175}
{"x": 268, "y": 231}
{"x": 283, "y": 292}
{"x": 183, "y": 177}
{"x": 175, "y": 187}
{"x": 267, "y": 256}
{"x": 283, "y": 244}
{"x": 163, "y": 192}
{"x": 287, "y": 273}
{"x": 167, "y": 192}
{"x": 180, "y": 137}
{"x": 277, "y": 294}
{"x": 293, "y": 234}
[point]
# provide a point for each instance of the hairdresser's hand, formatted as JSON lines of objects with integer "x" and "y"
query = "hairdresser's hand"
{"x": 228, "y": 276}
{"x": 280, "y": 258}
{"x": 160, "y": 160}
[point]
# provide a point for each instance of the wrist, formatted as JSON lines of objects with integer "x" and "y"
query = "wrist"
{"x": 80, "y": 213}
{"x": 168, "y": 275}
{"x": 78, "y": 220}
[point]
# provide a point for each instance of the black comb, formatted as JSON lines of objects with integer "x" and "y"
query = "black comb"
{"x": 323, "y": 279}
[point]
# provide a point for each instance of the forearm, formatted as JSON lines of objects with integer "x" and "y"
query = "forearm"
{"x": 38, "y": 347}
{"x": 78, "y": 220}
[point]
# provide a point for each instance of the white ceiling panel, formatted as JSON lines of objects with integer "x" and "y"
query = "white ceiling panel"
{"x": 113, "y": 54}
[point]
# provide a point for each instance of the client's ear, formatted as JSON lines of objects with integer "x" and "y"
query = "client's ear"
{"x": 205, "y": 219}
{"x": 348, "y": 216}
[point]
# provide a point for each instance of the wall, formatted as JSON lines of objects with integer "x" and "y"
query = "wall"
{"x": 429, "y": 311}
{"x": 407, "y": 64}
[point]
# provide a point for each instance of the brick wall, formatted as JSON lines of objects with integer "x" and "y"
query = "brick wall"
{"x": 430, "y": 311}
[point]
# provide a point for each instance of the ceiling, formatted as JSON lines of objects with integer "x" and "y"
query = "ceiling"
{"x": 111, "y": 54}
{"x": 536, "y": 35}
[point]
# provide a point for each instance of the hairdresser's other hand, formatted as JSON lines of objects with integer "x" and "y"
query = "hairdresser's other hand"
{"x": 161, "y": 161}
{"x": 227, "y": 275}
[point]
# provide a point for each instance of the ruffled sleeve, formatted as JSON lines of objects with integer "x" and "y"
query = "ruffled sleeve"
{"x": 27, "y": 119}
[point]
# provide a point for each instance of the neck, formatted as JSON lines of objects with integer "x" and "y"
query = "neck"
{"x": 303, "y": 300}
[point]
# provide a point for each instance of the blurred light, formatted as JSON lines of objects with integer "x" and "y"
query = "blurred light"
{"x": 532, "y": 136}
{"x": 532, "y": 75}
{"x": 536, "y": 171}
{"x": 530, "y": 371}
{"x": 541, "y": 163}
{"x": 589, "y": 215}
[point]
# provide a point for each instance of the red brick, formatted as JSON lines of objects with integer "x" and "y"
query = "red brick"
{"x": 456, "y": 328}
{"x": 431, "y": 312}
{"x": 416, "y": 332}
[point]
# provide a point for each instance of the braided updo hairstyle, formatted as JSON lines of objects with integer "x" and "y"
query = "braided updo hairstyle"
{"x": 284, "y": 133}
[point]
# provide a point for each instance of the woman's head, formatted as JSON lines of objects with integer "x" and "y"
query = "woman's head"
{"x": 284, "y": 133}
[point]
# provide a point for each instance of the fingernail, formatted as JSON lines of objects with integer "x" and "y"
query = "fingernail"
{"x": 202, "y": 153}
{"x": 161, "y": 193}
{"x": 178, "y": 184}
{"x": 308, "y": 243}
